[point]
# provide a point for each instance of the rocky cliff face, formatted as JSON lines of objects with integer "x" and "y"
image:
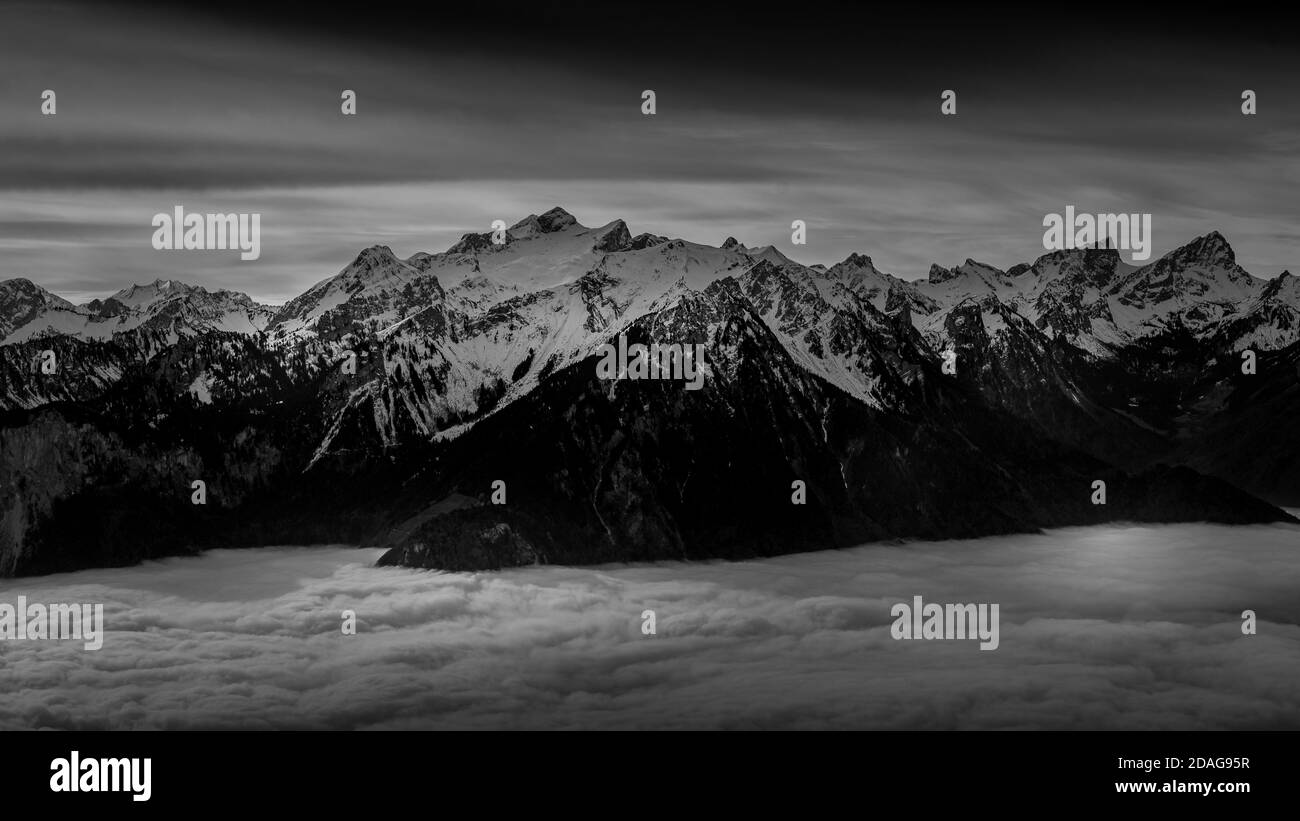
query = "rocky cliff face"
{"x": 361, "y": 410}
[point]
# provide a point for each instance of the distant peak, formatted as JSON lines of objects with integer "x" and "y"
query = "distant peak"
{"x": 972, "y": 266}
{"x": 528, "y": 225}
{"x": 471, "y": 243}
{"x": 613, "y": 237}
{"x": 375, "y": 254}
{"x": 138, "y": 293}
{"x": 20, "y": 288}
{"x": 163, "y": 285}
{"x": 857, "y": 260}
{"x": 1089, "y": 258}
{"x": 646, "y": 241}
{"x": 969, "y": 268}
{"x": 940, "y": 274}
{"x": 1213, "y": 248}
{"x": 771, "y": 254}
{"x": 1276, "y": 285}
{"x": 731, "y": 242}
{"x": 557, "y": 219}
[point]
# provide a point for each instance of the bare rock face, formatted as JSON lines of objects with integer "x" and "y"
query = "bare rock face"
{"x": 465, "y": 541}
{"x": 615, "y": 238}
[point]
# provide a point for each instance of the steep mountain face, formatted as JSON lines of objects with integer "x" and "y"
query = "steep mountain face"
{"x": 372, "y": 294}
{"x": 1195, "y": 286}
{"x": 1067, "y": 300}
{"x": 22, "y": 301}
{"x": 383, "y": 404}
{"x": 1234, "y": 424}
{"x": 1053, "y": 387}
{"x": 643, "y": 470}
{"x": 1270, "y": 321}
{"x": 68, "y": 369}
{"x": 884, "y": 291}
{"x": 108, "y": 480}
{"x": 464, "y": 331}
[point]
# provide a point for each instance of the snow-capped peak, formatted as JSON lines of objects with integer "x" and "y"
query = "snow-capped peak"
{"x": 22, "y": 300}
{"x": 135, "y": 296}
{"x": 1284, "y": 286}
{"x": 1210, "y": 250}
{"x": 164, "y": 305}
{"x": 14, "y": 291}
{"x": 612, "y": 237}
{"x": 556, "y": 219}
{"x": 771, "y": 254}
{"x": 855, "y": 261}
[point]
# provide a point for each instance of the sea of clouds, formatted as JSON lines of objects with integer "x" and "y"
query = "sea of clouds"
{"x": 1105, "y": 627}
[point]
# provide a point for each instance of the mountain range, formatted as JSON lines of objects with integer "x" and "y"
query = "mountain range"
{"x": 397, "y": 402}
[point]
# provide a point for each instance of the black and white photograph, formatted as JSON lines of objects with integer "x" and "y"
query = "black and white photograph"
{"x": 645, "y": 367}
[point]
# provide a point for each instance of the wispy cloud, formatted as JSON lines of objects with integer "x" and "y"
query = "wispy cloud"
{"x": 749, "y": 135}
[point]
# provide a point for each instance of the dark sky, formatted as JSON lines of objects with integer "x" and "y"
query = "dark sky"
{"x": 823, "y": 112}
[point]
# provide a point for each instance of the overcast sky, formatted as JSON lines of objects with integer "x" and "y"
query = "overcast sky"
{"x": 820, "y": 115}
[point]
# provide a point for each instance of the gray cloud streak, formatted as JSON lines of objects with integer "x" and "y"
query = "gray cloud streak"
{"x": 167, "y": 109}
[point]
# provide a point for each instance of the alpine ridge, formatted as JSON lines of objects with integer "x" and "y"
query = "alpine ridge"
{"x": 384, "y": 404}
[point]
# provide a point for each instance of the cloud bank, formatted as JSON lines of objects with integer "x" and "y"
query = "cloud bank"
{"x": 1130, "y": 627}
